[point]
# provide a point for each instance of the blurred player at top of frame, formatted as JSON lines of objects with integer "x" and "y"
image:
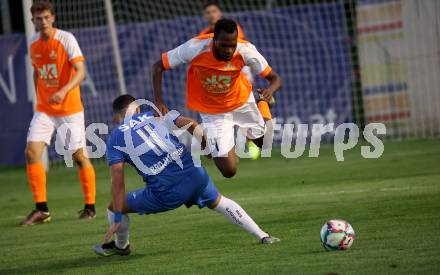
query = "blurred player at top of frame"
{"x": 212, "y": 11}
{"x": 58, "y": 70}
{"x": 219, "y": 91}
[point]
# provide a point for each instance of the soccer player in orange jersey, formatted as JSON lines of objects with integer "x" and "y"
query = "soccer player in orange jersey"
{"x": 212, "y": 12}
{"x": 58, "y": 70}
{"x": 219, "y": 91}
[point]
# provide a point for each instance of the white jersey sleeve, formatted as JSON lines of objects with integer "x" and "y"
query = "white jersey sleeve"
{"x": 71, "y": 46}
{"x": 184, "y": 53}
{"x": 254, "y": 59}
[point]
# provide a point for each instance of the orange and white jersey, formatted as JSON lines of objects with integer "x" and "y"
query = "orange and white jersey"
{"x": 53, "y": 62}
{"x": 215, "y": 86}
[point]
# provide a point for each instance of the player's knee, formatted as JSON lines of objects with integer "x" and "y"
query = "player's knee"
{"x": 31, "y": 154}
{"x": 229, "y": 172}
{"x": 81, "y": 160}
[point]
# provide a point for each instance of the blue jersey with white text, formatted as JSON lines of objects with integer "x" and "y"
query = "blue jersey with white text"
{"x": 148, "y": 144}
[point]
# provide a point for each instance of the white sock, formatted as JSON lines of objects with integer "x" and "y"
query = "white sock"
{"x": 236, "y": 215}
{"x": 121, "y": 236}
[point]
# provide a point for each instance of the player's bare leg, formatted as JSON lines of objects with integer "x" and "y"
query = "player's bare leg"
{"x": 238, "y": 216}
{"x": 34, "y": 151}
{"x": 37, "y": 180}
{"x": 227, "y": 164}
{"x": 87, "y": 179}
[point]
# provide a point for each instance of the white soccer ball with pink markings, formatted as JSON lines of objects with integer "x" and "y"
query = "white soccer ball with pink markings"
{"x": 337, "y": 235}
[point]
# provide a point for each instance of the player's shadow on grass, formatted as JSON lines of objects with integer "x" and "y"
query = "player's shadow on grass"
{"x": 91, "y": 260}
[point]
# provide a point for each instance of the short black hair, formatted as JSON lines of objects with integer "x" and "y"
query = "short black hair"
{"x": 225, "y": 25}
{"x": 121, "y": 103}
{"x": 212, "y": 3}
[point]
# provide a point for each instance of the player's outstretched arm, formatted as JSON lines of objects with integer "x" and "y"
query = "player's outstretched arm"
{"x": 117, "y": 206}
{"x": 156, "y": 75}
{"x": 193, "y": 128}
{"x": 275, "y": 82}
{"x": 79, "y": 75}
{"x": 118, "y": 187}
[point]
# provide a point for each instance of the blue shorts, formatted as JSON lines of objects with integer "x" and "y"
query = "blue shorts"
{"x": 196, "y": 189}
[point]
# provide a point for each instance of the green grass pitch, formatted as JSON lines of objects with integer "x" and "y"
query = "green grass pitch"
{"x": 393, "y": 204}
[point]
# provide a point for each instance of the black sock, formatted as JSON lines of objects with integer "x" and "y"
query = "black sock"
{"x": 42, "y": 206}
{"x": 90, "y": 207}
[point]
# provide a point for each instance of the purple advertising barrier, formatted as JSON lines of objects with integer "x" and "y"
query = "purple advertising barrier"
{"x": 15, "y": 104}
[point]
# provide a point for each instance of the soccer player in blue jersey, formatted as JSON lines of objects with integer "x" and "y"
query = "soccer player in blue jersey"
{"x": 148, "y": 143}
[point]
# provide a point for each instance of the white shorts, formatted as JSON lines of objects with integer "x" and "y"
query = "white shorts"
{"x": 220, "y": 127}
{"x": 70, "y": 130}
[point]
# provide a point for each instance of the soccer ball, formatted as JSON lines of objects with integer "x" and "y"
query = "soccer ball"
{"x": 337, "y": 235}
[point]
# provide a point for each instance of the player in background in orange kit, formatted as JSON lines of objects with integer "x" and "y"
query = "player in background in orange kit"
{"x": 212, "y": 11}
{"x": 218, "y": 89}
{"x": 58, "y": 70}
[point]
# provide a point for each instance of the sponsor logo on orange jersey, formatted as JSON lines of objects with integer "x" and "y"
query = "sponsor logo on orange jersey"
{"x": 49, "y": 75}
{"x": 53, "y": 55}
